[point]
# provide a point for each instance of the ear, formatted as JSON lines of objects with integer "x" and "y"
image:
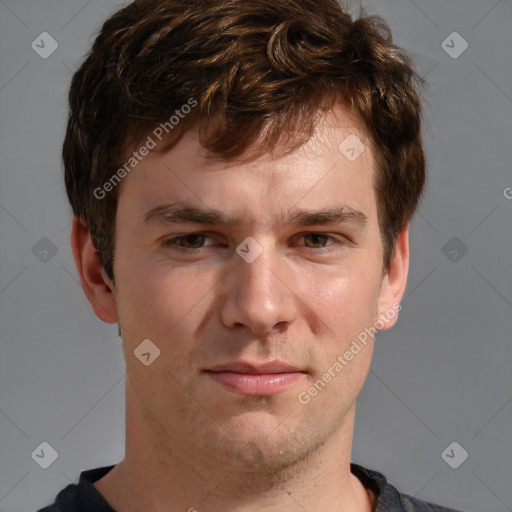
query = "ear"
{"x": 98, "y": 288}
{"x": 394, "y": 283}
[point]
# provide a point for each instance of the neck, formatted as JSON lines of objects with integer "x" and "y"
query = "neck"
{"x": 158, "y": 474}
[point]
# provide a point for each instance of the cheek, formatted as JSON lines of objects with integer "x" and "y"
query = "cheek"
{"x": 158, "y": 303}
{"x": 344, "y": 299}
{"x": 160, "y": 309}
{"x": 346, "y": 304}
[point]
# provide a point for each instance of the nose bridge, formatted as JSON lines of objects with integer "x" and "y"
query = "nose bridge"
{"x": 259, "y": 277}
{"x": 256, "y": 295}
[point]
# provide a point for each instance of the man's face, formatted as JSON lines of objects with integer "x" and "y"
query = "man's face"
{"x": 302, "y": 301}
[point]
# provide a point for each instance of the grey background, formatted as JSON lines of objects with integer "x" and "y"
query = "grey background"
{"x": 441, "y": 375}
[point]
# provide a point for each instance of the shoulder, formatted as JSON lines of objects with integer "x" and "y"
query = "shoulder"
{"x": 81, "y": 497}
{"x": 389, "y": 498}
{"x": 62, "y": 501}
{"x": 51, "y": 508}
{"x": 412, "y": 504}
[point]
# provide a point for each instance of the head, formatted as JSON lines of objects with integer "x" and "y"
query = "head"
{"x": 244, "y": 109}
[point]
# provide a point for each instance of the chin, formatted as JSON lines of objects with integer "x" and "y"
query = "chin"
{"x": 264, "y": 459}
{"x": 262, "y": 450}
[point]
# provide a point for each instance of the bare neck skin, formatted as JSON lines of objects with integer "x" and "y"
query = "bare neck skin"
{"x": 157, "y": 476}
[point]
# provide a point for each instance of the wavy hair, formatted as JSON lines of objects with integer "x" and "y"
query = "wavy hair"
{"x": 261, "y": 69}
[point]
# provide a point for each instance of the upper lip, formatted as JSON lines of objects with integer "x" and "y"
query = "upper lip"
{"x": 255, "y": 368}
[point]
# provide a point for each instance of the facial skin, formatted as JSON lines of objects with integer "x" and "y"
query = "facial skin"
{"x": 191, "y": 441}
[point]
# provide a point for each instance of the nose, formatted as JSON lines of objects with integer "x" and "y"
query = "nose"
{"x": 259, "y": 295}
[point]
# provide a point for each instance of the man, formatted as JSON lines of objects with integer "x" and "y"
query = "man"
{"x": 242, "y": 177}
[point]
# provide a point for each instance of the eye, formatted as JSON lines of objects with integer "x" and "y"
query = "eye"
{"x": 196, "y": 241}
{"x": 189, "y": 241}
{"x": 317, "y": 239}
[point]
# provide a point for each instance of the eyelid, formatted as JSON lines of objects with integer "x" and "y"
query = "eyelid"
{"x": 167, "y": 241}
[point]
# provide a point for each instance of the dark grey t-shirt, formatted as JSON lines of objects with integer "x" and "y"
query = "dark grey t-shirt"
{"x": 84, "y": 497}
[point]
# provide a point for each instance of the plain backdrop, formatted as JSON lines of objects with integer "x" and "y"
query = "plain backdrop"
{"x": 441, "y": 376}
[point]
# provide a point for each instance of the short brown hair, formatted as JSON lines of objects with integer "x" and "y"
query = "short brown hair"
{"x": 265, "y": 67}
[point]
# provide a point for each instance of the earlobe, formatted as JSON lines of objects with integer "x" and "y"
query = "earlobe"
{"x": 394, "y": 283}
{"x": 94, "y": 280}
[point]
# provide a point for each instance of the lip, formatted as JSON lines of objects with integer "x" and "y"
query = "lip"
{"x": 255, "y": 368}
{"x": 256, "y": 379}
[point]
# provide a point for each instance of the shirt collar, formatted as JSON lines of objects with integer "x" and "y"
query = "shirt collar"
{"x": 387, "y": 496}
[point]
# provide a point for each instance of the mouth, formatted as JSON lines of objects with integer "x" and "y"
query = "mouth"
{"x": 256, "y": 379}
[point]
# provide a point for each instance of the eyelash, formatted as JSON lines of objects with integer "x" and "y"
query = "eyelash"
{"x": 171, "y": 242}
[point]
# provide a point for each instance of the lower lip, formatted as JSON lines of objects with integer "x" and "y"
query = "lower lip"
{"x": 256, "y": 384}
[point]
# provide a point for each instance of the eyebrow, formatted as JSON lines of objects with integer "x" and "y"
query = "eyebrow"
{"x": 172, "y": 213}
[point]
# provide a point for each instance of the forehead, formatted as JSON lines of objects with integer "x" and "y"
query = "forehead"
{"x": 335, "y": 166}
{"x": 337, "y": 133}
